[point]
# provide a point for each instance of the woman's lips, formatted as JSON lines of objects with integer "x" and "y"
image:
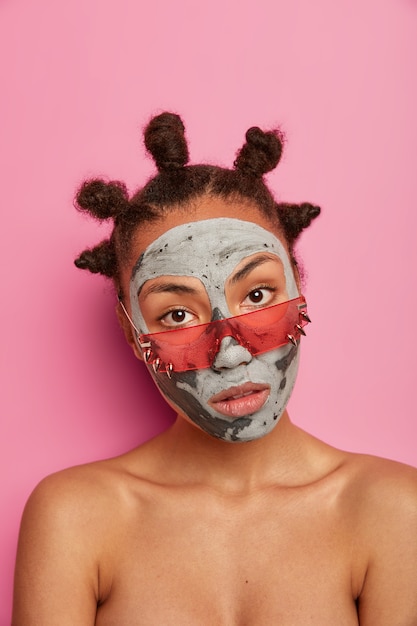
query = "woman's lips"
{"x": 240, "y": 400}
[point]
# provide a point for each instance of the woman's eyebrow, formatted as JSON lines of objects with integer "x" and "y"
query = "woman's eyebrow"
{"x": 248, "y": 267}
{"x": 167, "y": 287}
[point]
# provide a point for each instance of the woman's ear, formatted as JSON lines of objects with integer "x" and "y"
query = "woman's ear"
{"x": 128, "y": 330}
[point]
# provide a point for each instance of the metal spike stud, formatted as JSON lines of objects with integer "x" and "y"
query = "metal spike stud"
{"x": 169, "y": 369}
{"x": 305, "y": 316}
{"x": 300, "y": 329}
{"x": 155, "y": 364}
{"x": 147, "y": 355}
{"x": 292, "y": 339}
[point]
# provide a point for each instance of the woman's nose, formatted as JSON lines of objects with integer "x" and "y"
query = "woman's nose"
{"x": 230, "y": 355}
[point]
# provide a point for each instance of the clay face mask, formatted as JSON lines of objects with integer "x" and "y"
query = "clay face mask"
{"x": 242, "y": 393}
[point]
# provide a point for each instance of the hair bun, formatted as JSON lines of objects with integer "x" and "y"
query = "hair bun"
{"x": 165, "y": 141}
{"x": 99, "y": 260}
{"x": 309, "y": 212}
{"x": 296, "y": 217}
{"x": 261, "y": 152}
{"x": 101, "y": 199}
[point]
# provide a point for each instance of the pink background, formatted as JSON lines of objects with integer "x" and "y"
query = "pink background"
{"x": 78, "y": 81}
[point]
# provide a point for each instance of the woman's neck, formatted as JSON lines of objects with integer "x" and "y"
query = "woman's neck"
{"x": 286, "y": 456}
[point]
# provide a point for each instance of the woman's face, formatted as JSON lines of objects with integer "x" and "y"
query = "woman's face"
{"x": 219, "y": 260}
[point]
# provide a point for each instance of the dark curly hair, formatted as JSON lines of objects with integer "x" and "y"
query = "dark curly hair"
{"x": 177, "y": 184}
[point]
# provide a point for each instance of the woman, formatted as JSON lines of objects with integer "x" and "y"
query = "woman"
{"x": 233, "y": 515}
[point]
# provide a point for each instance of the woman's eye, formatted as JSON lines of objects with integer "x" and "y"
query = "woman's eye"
{"x": 261, "y": 295}
{"x": 256, "y": 296}
{"x": 177, "y": 317}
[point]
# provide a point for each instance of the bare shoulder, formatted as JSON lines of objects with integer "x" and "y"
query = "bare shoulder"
{"x": 67, "y": 536}
{"x": 382, "y": 496}
{"x": 85, "y": 491}
{"x": 381, "y": 485}
{"x": 386, "y": 496}
{"x": 367, "y": 484}
{"x": 67, "y": 490}
{"x": 93, "y": 499}
{"x": 62, "y": 510}
{"x": 73, "y": 507}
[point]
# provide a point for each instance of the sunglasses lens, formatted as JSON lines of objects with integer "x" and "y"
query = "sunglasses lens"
{"x": 194, "y": 347}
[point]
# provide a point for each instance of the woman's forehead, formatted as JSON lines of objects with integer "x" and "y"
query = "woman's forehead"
{"x": 209, "y": 250}
{"x": 196, "y": 248}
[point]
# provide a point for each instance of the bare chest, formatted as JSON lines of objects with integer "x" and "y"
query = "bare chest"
{"x": 266, "y": 560}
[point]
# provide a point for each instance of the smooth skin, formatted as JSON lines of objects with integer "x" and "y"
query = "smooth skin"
{"x": 193, "y": 531}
